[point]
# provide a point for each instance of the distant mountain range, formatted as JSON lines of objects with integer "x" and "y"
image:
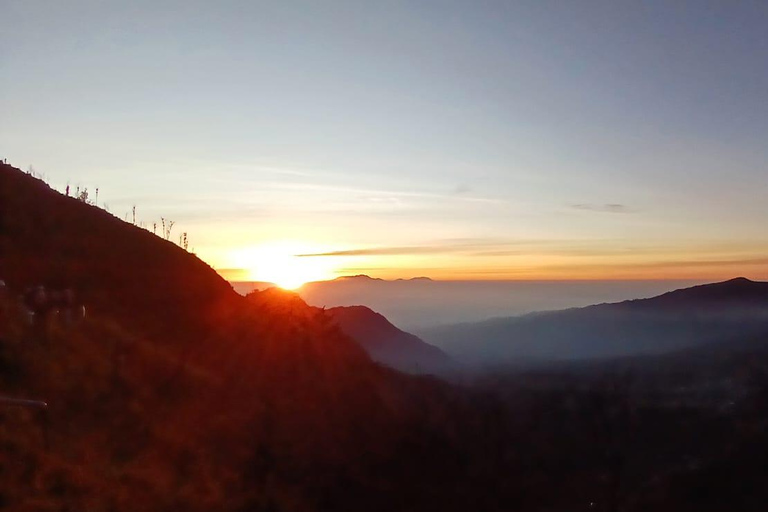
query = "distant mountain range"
{"x": 365, "y": 277}
{"x": 389, "y": 345}
{"x": 176, "y": 393}
{"x": 676, "y": 320}
{"x": 421, "y": 303}
{"x": 358, "y": 279}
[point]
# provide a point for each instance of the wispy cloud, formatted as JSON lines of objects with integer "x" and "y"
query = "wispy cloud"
{"x": 745, "y": 262}
{"x": 372, "y": 193}
{"x": 380, "y": 251}
{"x": 462, "y": 188}
{"x": 603, "y": 208}
{"x": 722, "y": 267}
{"x": 475, "y": 246}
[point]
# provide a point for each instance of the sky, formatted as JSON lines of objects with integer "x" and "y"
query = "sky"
{"x": 457, "y": 140}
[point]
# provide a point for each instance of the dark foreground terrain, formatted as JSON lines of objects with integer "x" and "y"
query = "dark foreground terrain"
{"x": 175, "y": 393}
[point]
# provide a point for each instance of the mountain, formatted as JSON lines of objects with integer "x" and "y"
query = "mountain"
{"x": 387, "y": 344}
{"x": 359, "y": 277}
{"x": 420, "y": 303}
{"x": 672, "y": 321}
{"x": 740, "y": 294}
{"x": 176, "y": 393}
{"x": 118, "y": 269}
{"x": 246, "y": 287}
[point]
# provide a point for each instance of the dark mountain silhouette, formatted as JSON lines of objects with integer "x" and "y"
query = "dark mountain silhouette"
{"x": 365, "y": 277}
{"x": 362, "y": 278}
{"x": 389, "y": 345}
{"x": 118, "y": 269}
{"x": 383, "y": 342}
{"x": 176, "y": 393}
{"x": 735, "y": 294}
{"x": 358, "y": 277}
{"x": 672, "y": 321}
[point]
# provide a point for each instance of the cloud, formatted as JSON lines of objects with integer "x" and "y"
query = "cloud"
{"x": 603, "y": 208}
{"x": 745, "y": 262}
{"x": 379, "y": 251}
{"x": 679, "y": 267}
{"x": 457, "y": 245}
{"x": 462, "y": 188}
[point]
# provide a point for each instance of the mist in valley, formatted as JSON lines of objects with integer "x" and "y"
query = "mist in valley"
{"x": 417, "y": 305}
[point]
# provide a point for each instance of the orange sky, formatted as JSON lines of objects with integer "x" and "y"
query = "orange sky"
{"x": 486, "y": 260}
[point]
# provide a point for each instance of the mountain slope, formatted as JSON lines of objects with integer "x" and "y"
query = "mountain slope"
{"x": 117, "y": 268}
{"x": 168, "y": 402}
{"x": 387, "y": 344}
{"x": 176, "y": 393}
{"x": 675, "y": 320}
{"x": 735, "y": 294}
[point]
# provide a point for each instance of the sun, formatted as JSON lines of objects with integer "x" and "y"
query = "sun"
{"x": 285, "y": 272}
{"x": 281, "y": 263}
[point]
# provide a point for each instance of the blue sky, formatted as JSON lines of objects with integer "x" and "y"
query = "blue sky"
{"x": 551, "y": 139}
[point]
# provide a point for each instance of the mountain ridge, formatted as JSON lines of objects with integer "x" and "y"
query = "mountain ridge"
{"x": 176, "y": 393}
{"x": 673, "y": 320}
{"x": 388, "y": 344}
{"x": 366, "y": 277}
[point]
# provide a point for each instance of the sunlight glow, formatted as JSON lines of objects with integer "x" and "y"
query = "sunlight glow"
{"x": 277, "y": 263}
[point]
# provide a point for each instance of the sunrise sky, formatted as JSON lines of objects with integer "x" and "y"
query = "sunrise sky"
{"x": 457, "y": 140}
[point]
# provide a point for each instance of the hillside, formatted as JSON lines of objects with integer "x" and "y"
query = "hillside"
{"x": 738, "y": 294}
{"x": 389, "y": 345}
{"x": 176, "y": 393}
{"x": 117, "y": 268}
{"x": 683, "y": 318}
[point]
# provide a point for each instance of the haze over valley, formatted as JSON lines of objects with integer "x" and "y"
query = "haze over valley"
{"x": 418, "y": 304}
